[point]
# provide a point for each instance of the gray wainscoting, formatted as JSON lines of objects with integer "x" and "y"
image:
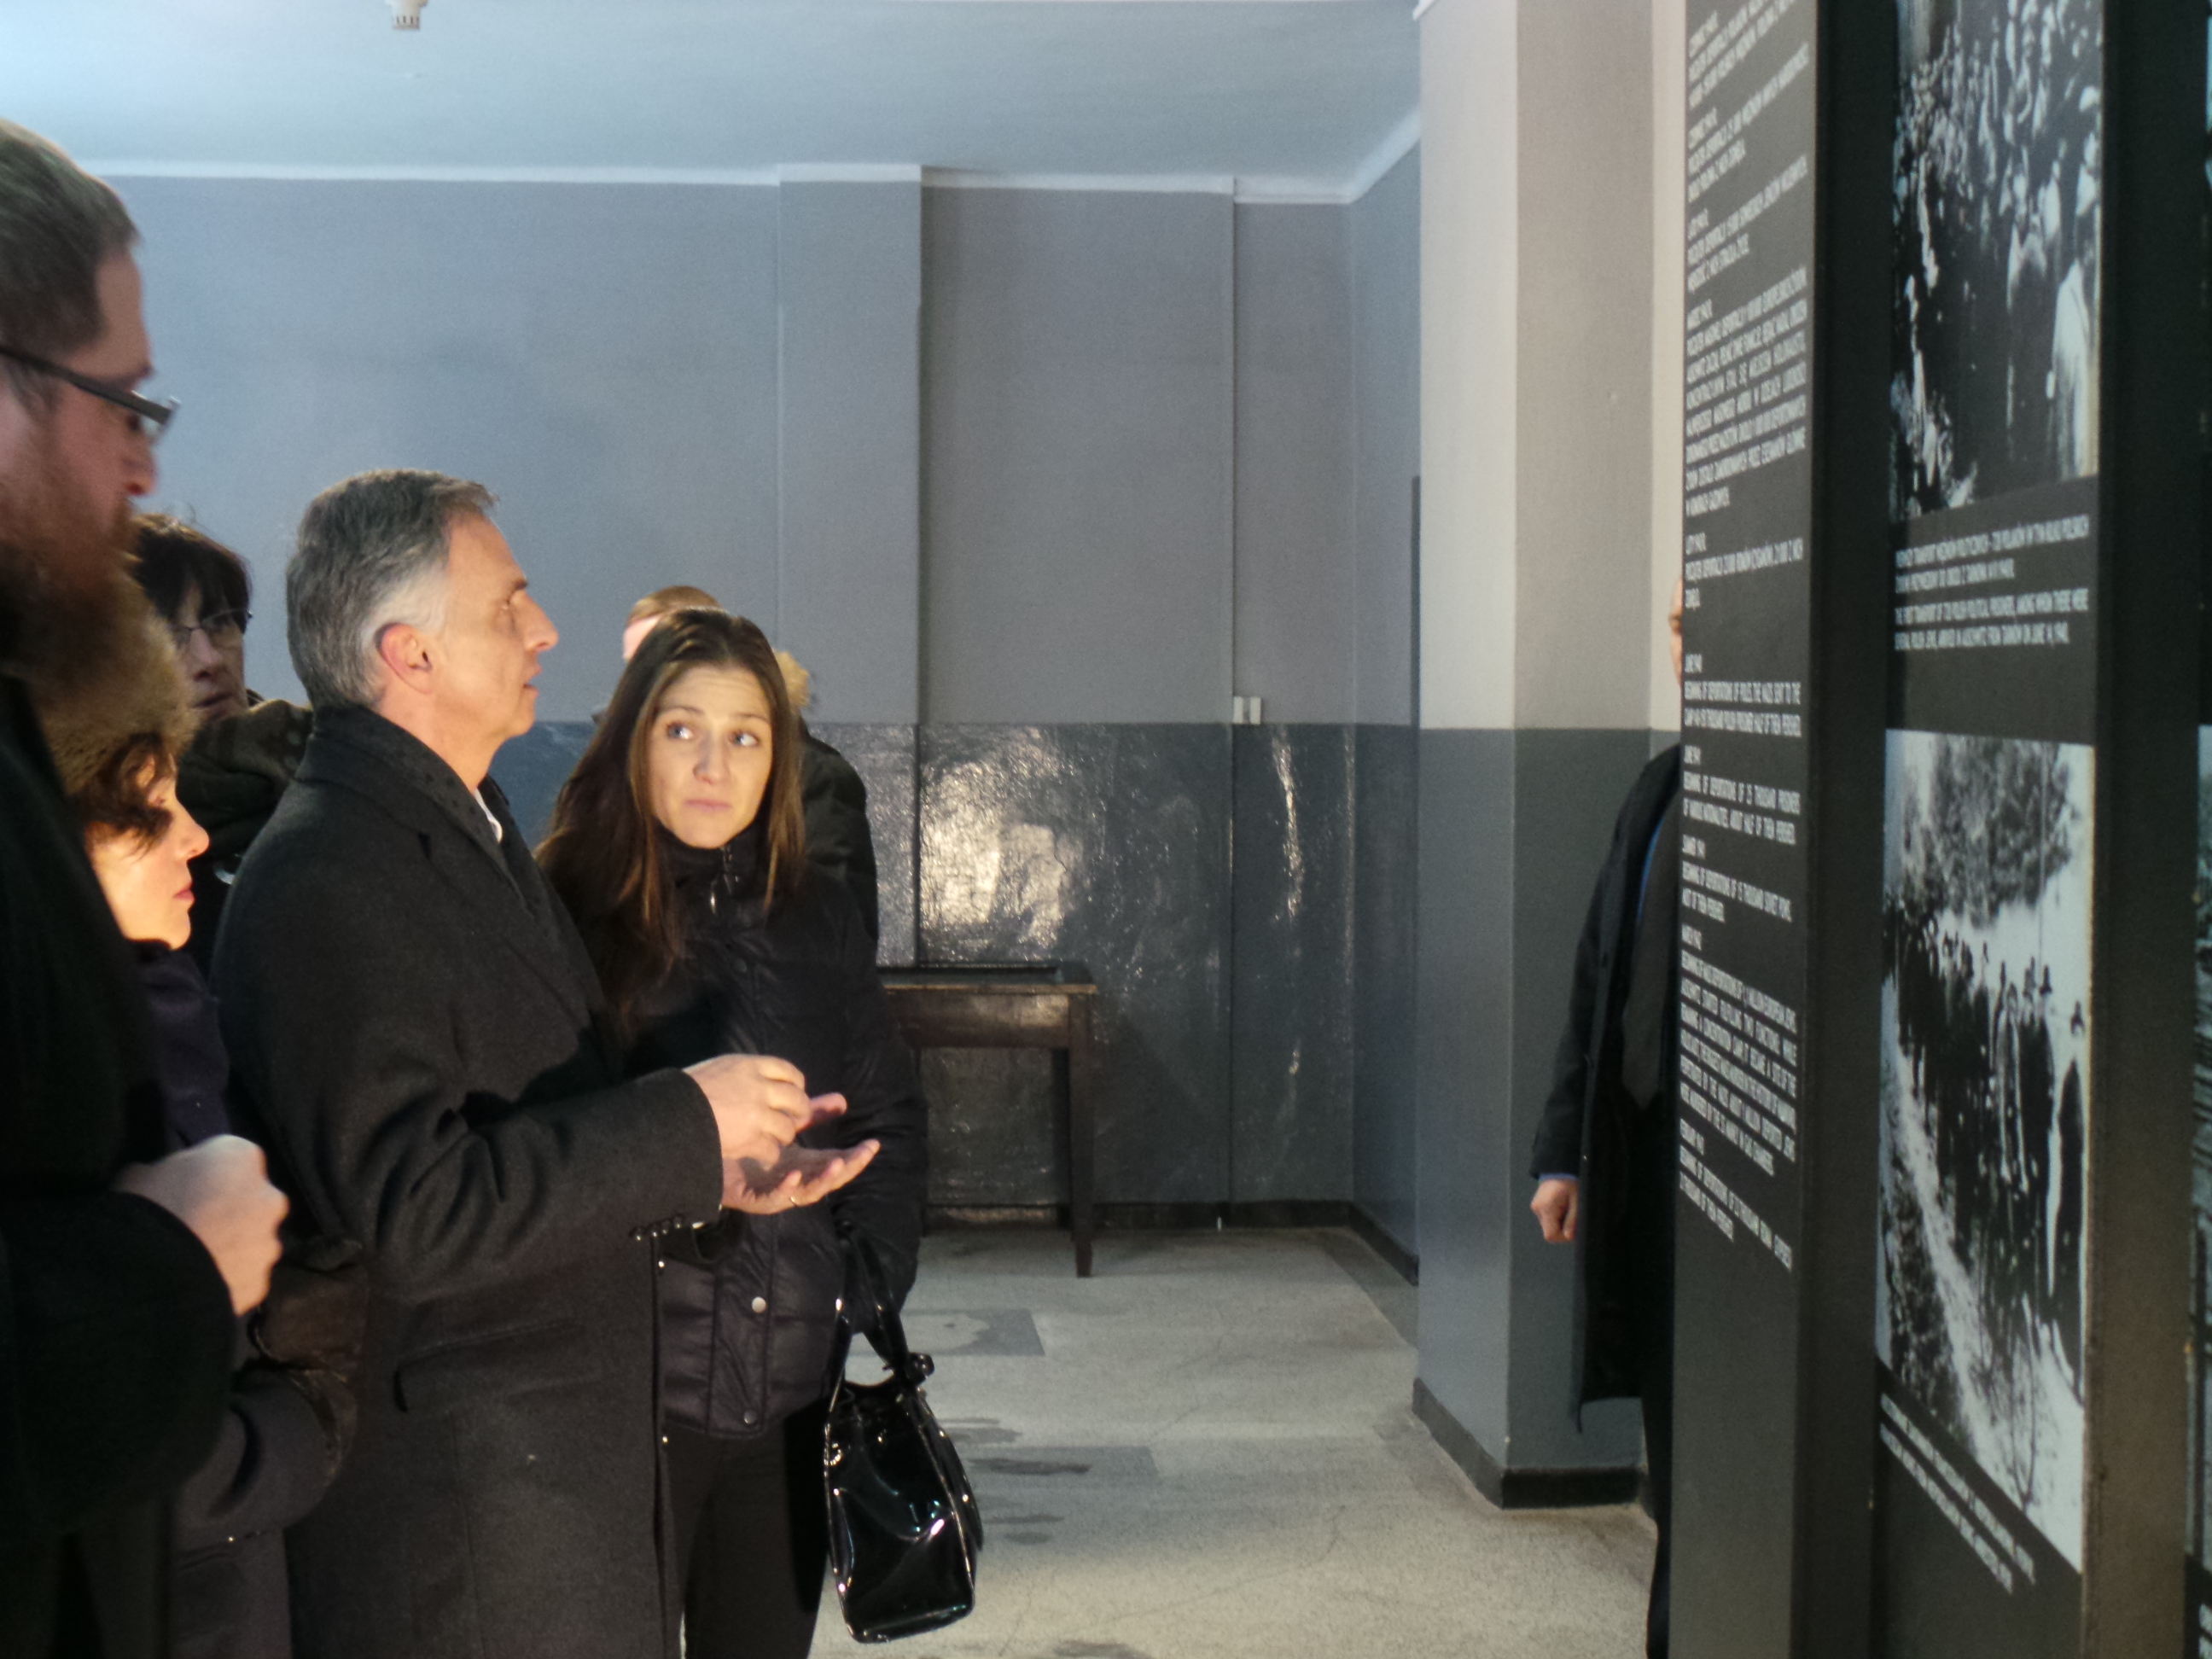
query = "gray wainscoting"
{"x": 1386, "y": 799}
{"x": 1107, "y": 844}
{"x": 1291, "y": 966}
{"x": 1514, "y": 828}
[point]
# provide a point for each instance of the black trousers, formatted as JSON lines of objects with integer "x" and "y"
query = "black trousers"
{"x": 752, "y": 1532}
{"x": 1651, "y": 1239}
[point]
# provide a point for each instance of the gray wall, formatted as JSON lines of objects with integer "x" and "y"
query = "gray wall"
{"x": 1024, "y": 477}
{"x": 1296, "y": 579}
{"x": 605, "y": 357}
{"x": 849, "y": 445}
{"x": 1079, "y": 369}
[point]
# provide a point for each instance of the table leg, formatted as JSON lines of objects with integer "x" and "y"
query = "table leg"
{"x": 1082, "y": 1127}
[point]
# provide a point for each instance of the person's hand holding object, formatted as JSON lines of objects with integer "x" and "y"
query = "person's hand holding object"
{"x": 759, "y": 1101}
{"x": 801, "y": 1176}
{"x": 219, "y": 1190}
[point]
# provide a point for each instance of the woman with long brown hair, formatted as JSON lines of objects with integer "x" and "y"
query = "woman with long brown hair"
{"x": 678, "y": 845}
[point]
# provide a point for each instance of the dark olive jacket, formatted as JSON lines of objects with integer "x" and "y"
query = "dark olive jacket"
{"x": 115, "y": 1325}
{"x": 1588, "y": 1117}
{"x": 418, "y": 1032}
{"x": 838, "y": 840}
{"x": 750, "y": 1305}
{"x": 230, "y": 780}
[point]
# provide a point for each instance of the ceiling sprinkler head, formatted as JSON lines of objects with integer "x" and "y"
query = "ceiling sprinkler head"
{"x": 407, "y": 14}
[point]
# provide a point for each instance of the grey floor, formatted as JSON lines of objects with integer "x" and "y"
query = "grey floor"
{"x": 1204, "y": 1452}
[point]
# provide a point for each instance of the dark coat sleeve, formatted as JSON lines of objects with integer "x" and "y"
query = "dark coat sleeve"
{"x": 883, "y": 1104}
{"x": 1558, "y": 1149}
{"x": 273, "y": 1463}
{"x": 839, "y": 842}
{"x": 115, "y": 1337}
{"x": 355, "y": 1065}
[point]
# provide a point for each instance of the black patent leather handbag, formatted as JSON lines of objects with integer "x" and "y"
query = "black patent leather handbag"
{"x": 904, "y": 1531}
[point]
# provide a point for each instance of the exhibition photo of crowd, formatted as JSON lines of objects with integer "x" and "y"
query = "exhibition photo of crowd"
{"x": 1985, "y": 1105}
{"x": 1996, "y": 221}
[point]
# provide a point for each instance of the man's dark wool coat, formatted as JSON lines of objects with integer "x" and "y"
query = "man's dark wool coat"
{"x": 115, "y": 1325}
{"x": 419, "y": 1035}
{"x": 1589, "y": 1121}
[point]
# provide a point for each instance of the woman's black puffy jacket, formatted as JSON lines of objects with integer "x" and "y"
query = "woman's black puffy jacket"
{"x": 750, "y": 1304}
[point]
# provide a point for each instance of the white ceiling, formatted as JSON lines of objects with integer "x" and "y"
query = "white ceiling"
{"x": 1289, "y": 97}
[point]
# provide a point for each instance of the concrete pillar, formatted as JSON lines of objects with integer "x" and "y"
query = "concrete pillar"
{"x": 1535, "y": 697}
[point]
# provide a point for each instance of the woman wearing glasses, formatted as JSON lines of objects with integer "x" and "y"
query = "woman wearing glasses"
{"x": 679, "y": 846}
{"x": 247, "y": 749}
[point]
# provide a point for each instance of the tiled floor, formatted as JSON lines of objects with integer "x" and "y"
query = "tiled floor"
{"x": 1204, "y": 1452}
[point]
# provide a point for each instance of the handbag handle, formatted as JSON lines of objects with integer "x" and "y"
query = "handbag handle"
{"x": 885, "y": 1335}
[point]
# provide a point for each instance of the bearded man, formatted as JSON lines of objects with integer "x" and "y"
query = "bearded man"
{"x": 119, "y": 1282}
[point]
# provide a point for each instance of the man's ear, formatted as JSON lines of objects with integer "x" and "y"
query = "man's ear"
{"x": 405, "y": 653}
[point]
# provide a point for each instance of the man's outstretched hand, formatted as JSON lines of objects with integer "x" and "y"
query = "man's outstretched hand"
{"x": 803, "y": 1175}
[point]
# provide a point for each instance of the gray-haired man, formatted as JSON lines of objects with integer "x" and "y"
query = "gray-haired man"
{"x": 420, "y": 1036}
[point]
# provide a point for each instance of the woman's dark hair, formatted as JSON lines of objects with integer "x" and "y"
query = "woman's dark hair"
{"x": 118, "y": 796}
{"x": 603, "y": 854}
{"x": 175, "y": 560}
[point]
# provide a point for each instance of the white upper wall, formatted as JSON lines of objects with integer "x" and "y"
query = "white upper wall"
{"x": 1669, "y": 190}
{"x": 1470, "y": 295}
{"x": 1583, "y": 529}
{"x": 1289, "y": 98}
{"x": 1549, "y": 376}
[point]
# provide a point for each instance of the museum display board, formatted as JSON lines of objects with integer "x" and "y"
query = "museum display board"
{"x": 1754, "y": 290}
{"x": 1942, "y": 545}
{"x": 1989, "y": 845}
{"x": 2197, "y": 1567}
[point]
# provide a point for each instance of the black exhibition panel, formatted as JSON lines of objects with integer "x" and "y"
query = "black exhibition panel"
{"x": 1990, "y": 854}
{"x": 1785, "y": 627}
{"x": 2198, "y": 1561}
{"x": 1943, "y": 548}
{"x": 2030, "y": 1275}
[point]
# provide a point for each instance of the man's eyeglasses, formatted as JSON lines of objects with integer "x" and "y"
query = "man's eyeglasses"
{"x": 149, "y": 417}
{"x": 224, "y": 630}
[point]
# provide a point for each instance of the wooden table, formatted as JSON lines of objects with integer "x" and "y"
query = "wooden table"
{"x": 1031, "y": 1004}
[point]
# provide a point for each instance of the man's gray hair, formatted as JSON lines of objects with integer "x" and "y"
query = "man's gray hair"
{"x": 58, "y": 225}
{"x": 372, "y": 552}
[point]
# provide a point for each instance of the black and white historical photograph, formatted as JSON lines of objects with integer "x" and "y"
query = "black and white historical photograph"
{"x": 1986, "y": 1104}
{"x": 2200, "y": 1518}
{"x": 1995, "y": 216}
